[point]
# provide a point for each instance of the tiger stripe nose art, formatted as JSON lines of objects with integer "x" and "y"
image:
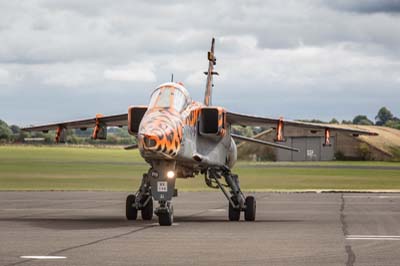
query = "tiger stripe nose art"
{"x": 161, "y": 132}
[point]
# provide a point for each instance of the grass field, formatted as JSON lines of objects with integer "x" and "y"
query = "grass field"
{"x": 72, "y": 168}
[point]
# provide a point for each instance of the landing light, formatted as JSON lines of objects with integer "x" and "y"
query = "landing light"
{"x": 170, "y": 174}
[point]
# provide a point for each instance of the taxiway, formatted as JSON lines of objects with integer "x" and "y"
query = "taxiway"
{"x": 89, "y": 228}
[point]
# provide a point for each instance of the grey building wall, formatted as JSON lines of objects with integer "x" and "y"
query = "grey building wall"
{"x": 311, "y": 149}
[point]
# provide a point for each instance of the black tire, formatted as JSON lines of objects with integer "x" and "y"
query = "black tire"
{"x": 147, "y": 211}
{"x": 234, "y": 213}
{"x": 131, "y": 212}
{"x": 167, "y": 218}
{"x": 250, "y": 211}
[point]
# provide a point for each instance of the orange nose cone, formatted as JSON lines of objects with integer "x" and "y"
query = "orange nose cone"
{"x": 161, "y": 132}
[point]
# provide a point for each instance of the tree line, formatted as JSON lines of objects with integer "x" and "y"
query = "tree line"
{"x": 384, "y": 117}
{"x": 14, "y": 134}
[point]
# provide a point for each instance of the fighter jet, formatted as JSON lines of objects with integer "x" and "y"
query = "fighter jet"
{"x": 182, "y": 138}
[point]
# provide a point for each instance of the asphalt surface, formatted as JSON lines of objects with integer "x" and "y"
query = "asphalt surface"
{"x": 89, "y": 228}
{"x": 316, "y": 166}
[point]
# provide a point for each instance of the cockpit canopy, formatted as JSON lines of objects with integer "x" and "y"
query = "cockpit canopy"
{"x": 168, "y": 96}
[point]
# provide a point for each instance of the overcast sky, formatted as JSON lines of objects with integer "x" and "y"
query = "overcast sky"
{"x": 69, "y": 59}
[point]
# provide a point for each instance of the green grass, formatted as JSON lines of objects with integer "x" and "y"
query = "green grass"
{"x": 73, "y": 168}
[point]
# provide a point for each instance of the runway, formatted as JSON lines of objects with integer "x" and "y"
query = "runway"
{"x": 89, "y": 228}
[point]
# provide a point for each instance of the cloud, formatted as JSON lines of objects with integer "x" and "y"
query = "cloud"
{"x": 310, "y": 71}
{"x": 4, "y": 76}
{"x": 132, "y": 72}
{"x": 68, "y": 75}
{"x": 367, "y": 6}
{"x": 299, "y": 59}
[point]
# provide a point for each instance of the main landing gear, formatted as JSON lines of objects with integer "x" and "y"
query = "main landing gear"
{"x": 142, "y": 201}
{"x": 237, "y": 201}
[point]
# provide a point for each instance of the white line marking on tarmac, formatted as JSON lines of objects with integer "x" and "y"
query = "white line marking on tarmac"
{"x": 372, "y": 196}
{"x": 43, "y": 257}
{"x": 372, "y": 237}
{"x": 376, "y": 236}
{"x": 216, "y": 210}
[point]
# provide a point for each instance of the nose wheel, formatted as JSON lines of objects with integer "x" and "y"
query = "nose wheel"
{"x": 165, "y": 213}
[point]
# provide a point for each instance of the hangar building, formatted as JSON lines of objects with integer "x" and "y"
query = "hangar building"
{"x": 312, "y": 148}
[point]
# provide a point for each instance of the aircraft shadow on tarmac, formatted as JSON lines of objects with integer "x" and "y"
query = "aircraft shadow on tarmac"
{"x": 75, "y": 223}
{"x": 92, "y": 223}
{"x": 211, "y": 219}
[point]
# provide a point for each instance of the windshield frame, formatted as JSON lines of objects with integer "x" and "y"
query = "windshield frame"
{"x": 158, "y": 99}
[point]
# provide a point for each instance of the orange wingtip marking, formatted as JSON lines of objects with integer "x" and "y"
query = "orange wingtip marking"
{"x": 279, "y": 130}
{"x": 58, "y": 134}
{"x": 327, "y": 137}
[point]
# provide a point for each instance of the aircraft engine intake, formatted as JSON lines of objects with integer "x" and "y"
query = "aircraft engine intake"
{"x": 135, "y": 116}
{"x": 212, "y": 121}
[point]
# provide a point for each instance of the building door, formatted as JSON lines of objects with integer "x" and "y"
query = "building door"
{"x": 313, "y": 150}
{"x": 301, "y": 144}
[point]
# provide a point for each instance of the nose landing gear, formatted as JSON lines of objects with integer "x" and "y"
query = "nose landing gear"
{"x": 144, "y": 203}
{"x": 157, "y": 184}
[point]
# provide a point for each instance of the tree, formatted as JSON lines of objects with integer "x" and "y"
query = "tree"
{"x": 383, "y": 116}
{"x": 20, "y": 137}
{"x": 244, "y": 131}
{"x": 393, "y": 124}
{"x": 15, "y": 129}
{"x": 334, "y": 121}
{"x": 5, "y": 131}
{"x": 347, "y": 122}
{"x": 362, "y": 120}
{"x": 364, "y": 152}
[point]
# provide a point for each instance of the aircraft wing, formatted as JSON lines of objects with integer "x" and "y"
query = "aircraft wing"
{"x": 249, "y": 120}
{"x": 112, "y": 120}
